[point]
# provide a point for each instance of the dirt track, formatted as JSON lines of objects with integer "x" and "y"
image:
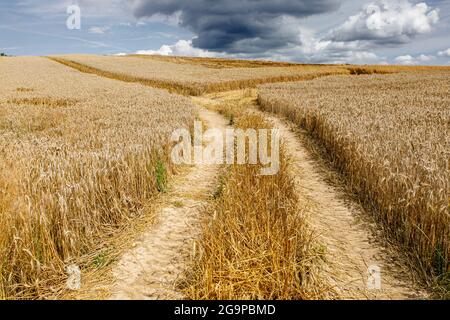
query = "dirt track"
{"x": 150, "y": 269}
{"x": 343, "y": 227}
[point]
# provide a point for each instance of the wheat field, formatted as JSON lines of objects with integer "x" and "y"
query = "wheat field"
{"x": 217, "y": 63}
{"x": 390, "y": 135}
{"x": 85, "y": 152}
{"x": 189, "y": 79}
{"x": 81, "y": 156}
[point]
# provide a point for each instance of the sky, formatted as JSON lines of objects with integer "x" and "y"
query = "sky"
{"x": 404, "y": 32}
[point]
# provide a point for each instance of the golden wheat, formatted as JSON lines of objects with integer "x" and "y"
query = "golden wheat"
{"x": 80, "y": 156}
{"x": 255, "y": 243}
{"x": 217, "y": 63}
{"x": 390, "y": 135}
{"x": 188, "y": 79}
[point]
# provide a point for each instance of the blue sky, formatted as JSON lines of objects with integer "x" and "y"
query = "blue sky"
{"x": 319, "y": 31}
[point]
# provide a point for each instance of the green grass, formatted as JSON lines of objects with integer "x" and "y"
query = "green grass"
{"x": 161, "y": 176}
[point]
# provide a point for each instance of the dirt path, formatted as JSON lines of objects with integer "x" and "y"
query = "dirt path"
{"x": 351, "y": 245}
{"x": 150, "y": 269}
{"x": 342, "y": 224}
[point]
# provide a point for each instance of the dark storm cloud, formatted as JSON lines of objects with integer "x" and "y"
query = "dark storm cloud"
{"x": 238, "y": 26}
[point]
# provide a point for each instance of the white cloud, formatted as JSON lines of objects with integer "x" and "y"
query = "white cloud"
{"x": 173, "y": 20}
{"x": 9, "y": 48}
{"x": 314, "y": 50}
{"x": 98, "y": 30}
{"x": 388, "y": 22}
{"x": 444, "y": 53}
{"x": 425, "y": 58}
{"x": 381, "y": 23}
{"x": 409, "y": 60}
{"x": 181, "y": 48}
{"x": 406, "y": 60}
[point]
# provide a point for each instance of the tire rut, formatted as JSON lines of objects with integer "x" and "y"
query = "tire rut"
{"x": 352, "y": 242}
{"x": 150, "y": 270}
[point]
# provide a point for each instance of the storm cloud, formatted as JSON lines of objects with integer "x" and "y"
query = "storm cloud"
{"x": 238, "y": 26}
